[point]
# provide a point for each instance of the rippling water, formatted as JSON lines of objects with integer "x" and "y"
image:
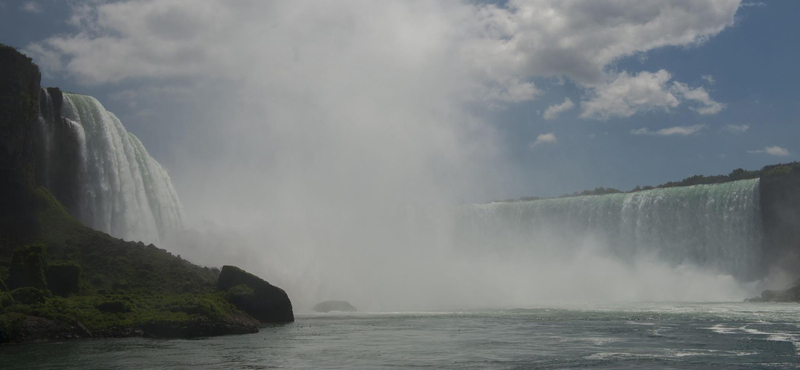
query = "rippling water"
{"x": 674, "y": 336}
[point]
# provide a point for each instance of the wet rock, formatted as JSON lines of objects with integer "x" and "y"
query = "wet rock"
{"x": 263, "y": 301}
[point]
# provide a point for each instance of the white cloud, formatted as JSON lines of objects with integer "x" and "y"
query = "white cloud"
{"x": 736, "y": 128}
{"x": 549, "y": 138}
{"x": 677, "y": 130}
{"x": 554, "y": 110}
{"x": 625, "y": 95}
{"x": 709, "y": 78}
{"x": 499, "y": 48}
{"x": 698, "y": 95}
{"x": 771, "y": 150}
{"x": 31, "y": 7}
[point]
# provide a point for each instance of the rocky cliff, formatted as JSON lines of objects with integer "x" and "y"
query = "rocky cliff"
{"x": 76, "y": 281}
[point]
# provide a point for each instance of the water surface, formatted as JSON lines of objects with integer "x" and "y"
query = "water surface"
{"x": 641, "y": 335}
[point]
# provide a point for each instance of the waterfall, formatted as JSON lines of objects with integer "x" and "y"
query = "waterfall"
{"x": 108, "y": 181}
{"x": 714, "y": 226}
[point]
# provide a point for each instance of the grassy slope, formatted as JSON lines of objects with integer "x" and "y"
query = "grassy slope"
{"x": 109, "y": 264}
{"x": 151, "y": 285}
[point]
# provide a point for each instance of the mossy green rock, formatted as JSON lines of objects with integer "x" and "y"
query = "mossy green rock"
{"x": 63, "y": 278}
{"x": 28, "y": 266}
{"x": 267, "y": 303}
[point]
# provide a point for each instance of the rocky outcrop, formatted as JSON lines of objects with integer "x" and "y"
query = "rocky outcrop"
{"x": 779, "y": 190}
{"x": 19, "y": 103}
{"x": 256, "y": 297}
{"x": 789, "y": 295}
{"x": 329, "y": 306}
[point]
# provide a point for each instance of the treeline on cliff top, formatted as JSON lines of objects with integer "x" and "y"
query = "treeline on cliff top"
{"x": 781, "y": 169}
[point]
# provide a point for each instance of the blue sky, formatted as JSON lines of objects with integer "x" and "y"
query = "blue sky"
{"x": 746, "y": 67}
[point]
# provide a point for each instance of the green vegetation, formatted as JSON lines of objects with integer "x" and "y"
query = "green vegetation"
{"x": 107, "y": 264}
{"x": 102, "y": 312}
{"x": 28, "y": 267}
{"x": 29, "y": 295}
{"x": 6, "y": 300}
{"x": 11, "y": 327}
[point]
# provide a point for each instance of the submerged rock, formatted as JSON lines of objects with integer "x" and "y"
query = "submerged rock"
{"x": 329, "y": 306}
{"x": 256, "y": 297}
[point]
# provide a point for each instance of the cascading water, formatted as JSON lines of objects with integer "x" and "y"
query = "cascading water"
{"x": 712, "y": 226}
{"x": 116, "y": 186}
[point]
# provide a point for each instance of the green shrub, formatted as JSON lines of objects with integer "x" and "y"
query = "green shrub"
{"x": 3, "y": 287}
{"x": 3, "y": 273}
{"x": 5, "y": 300}
{"x": 28, "y": 266}
{"x": 63, "y": 278}
{"x": 29, "y": 295}
{"x": 11, "y": 328}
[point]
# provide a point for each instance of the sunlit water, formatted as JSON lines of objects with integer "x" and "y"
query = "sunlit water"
{"x": 674, "y": 336}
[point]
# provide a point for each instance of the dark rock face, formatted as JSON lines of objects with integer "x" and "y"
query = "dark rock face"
{"x": 19, "y": 103}
{"x": 114, "y": 306}
{"x": 63, "y": 278}
{"x": 267, "y": 303}
{"x": 329, "y": 306}
{"x": 28, "y": 266}
{"x": 779, "y": 190}
{"x": 22, "y": 328}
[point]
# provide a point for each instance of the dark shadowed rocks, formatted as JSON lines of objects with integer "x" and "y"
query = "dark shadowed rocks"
{"x": 262, "y": 300}
{"x": 28, "y": 266}
{"x": 791, "y": 294}
{"x": 63, "y": 278}
{"x": 329, "y": 306}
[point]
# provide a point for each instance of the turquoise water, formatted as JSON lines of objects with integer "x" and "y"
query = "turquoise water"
{"x": 669, "y": 336}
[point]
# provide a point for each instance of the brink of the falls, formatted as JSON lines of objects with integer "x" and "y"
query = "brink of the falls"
{"x": 101, "y": 172}
{"x": 718, "y": 227}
